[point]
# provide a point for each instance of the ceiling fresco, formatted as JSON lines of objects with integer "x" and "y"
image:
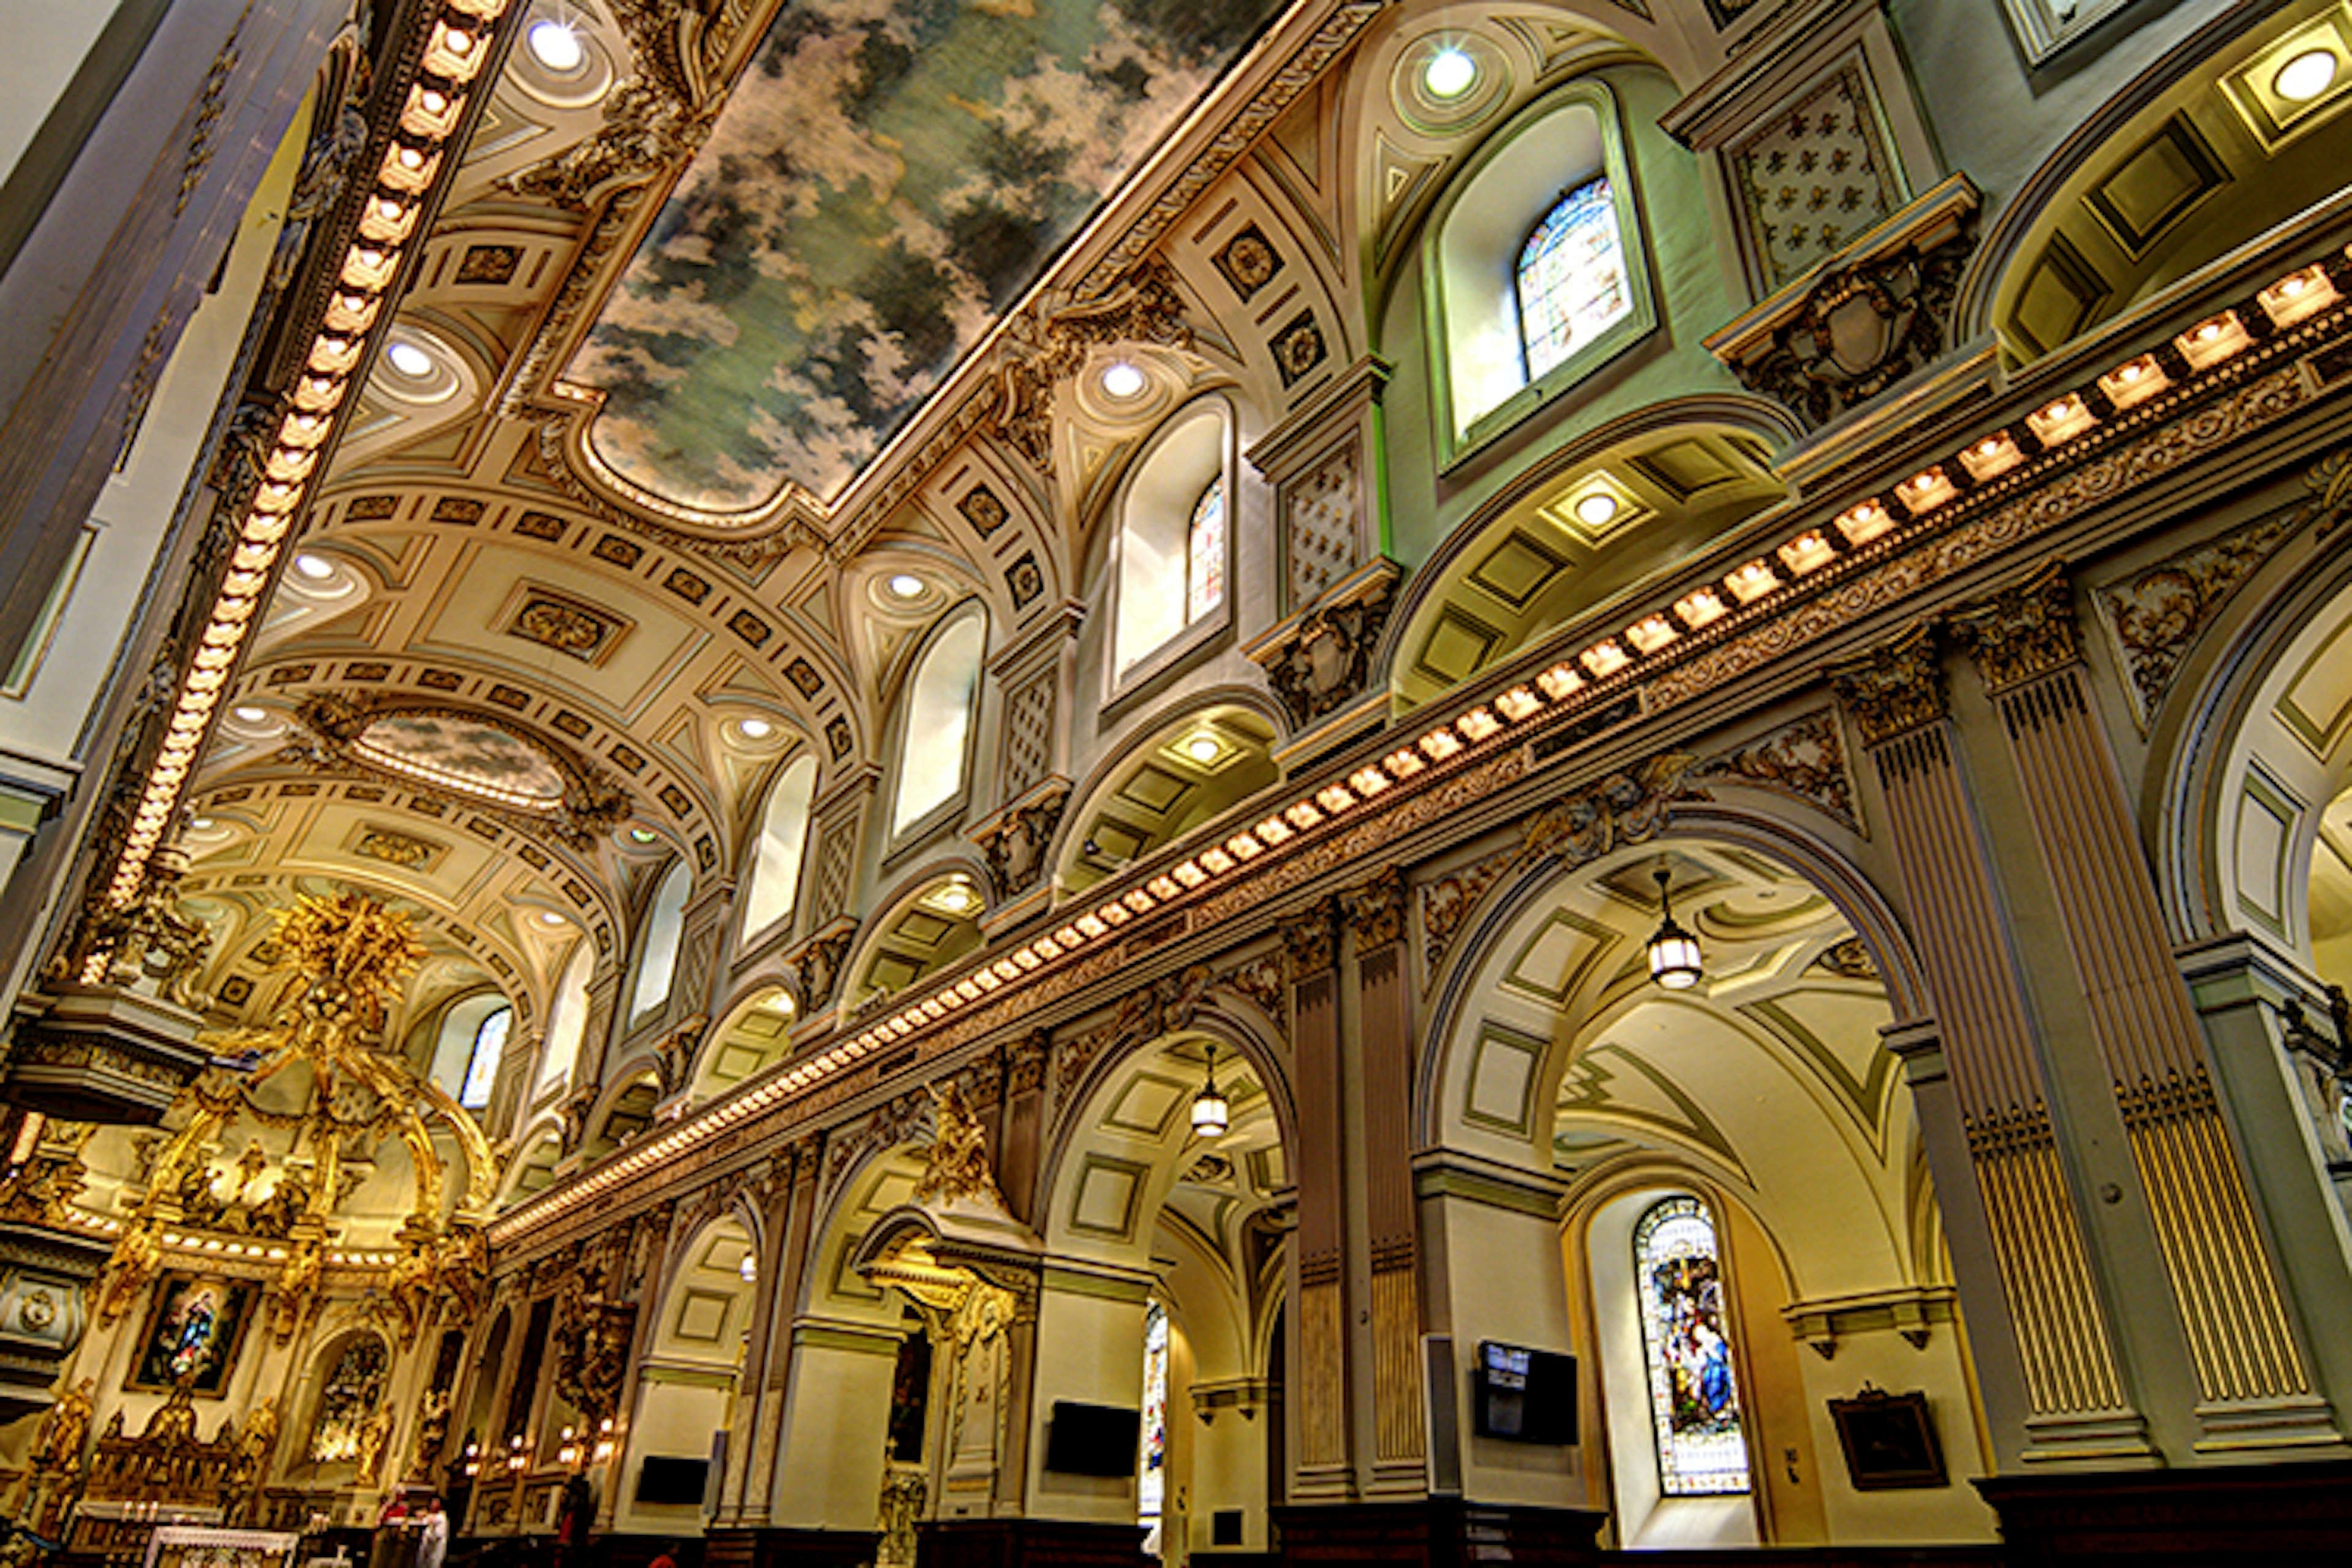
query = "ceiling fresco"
{"x": 890, "y": 176}
{"x": 451, "y": 751}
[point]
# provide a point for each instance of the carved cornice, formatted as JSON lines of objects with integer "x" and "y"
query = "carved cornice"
{"x": 2022, "y": 633}
{"x": 1896, "y": 688}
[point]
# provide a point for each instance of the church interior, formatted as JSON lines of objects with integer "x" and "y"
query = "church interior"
{"x": 944, "y": 783}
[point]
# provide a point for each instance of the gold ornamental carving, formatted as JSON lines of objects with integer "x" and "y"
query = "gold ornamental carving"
{"x": 1147, "y": 307}
{"x": 1896, "y": 688}
{"x": 955, "y": 1168}
{"x": 1376, "y": 910}
{"x": 2022, "y": 633}
{"x": 1309, "y": 940}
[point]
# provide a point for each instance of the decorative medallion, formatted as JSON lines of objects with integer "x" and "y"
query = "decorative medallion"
{"x": 982, "y": 510}
{"x": 1298, "y": 348}
{"x": 1248, "y": 262}
{"x": 567, "y": 624}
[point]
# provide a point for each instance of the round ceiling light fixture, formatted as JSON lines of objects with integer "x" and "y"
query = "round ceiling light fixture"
{"x": 315, "y": 568}
{"x": 956, "y": 897}
{"x": 1597, "y": 510}
{"x": 754, "y": 729}
{"x": 642, "y": 836}
{"x": 550, "y": 918}
{"x": 407, "y": 360}
{"x": 1204, "y": 749}
{"x": 1123, "y": 379}
{"x": 905, "y": 586}
{"x": 2307, "y": 76}
{"x": 556, "y": 44}
{"x": 247, "y": 713}
{"x": 203, "y": 825}
{"x": 1450, "y": 72}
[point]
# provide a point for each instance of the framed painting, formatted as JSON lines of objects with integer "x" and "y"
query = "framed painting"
{"x": 1889, "y": 1442}
{"x": 195, "y": 1325}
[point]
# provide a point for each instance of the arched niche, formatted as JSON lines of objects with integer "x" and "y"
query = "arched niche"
{"x": 1162, "y": 786}
{"x": 2200, "y": 157}
{"x": 936, "y": 719}
{"x": 923, "y": 932}
{"x": 1766, "y": 1088}
{"x": 624, "y": 1115}
{"x": 755, "y": 1036}
{"x": 1580, "y": 532}
{"x": 687, "y": 1383}
{"x": 1190, "y": 1225}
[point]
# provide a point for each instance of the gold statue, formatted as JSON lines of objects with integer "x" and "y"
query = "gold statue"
{"x": 410, "y": 1287}
{"x": 957, "y": 1167}
{"x": 249, "y": 1466}
{"x": 58, "y": 1441}
{"x": 298, "y": 1283}
{"x": 374, "y": 1437}
{"x": 136, "y": 1260}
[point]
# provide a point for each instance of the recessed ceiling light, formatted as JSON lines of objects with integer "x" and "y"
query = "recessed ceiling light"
{"x": 1123, "y": 379}
{"x": 409, "y": 361}
{"x": 905, "y": 586}
{"x": 2307, "y": 76}
{"x": 550, "y": 918}
{"x": 555, "y": 46}
{"x": 313, "y": 567}
{"x": 249, "y": 714}
{"x": 1203, "y": 749}
{"x": 1450, "y": 72}
{"x": 203, "y": 825}
{"x": 1597, "y": 509}
{"x": 755, "y": 728}
{"x": 954, "y": 897}
{"x": 642, "y": 836}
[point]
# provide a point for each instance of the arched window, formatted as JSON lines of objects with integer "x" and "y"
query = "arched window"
{"x": 1151, "y": 1464}
{"x": 784, "y": 835}
{"x": 665, "y": 930}
{"x": 1172, "y": 538}
{"x": 567, "y": 1021}
{"x": 458, "y": 1056}
{"x": 1570, "y": 280}
{"x": 940, "y": 701}
{"x": 1533, "y": 274}
{"x": 482, "y": 1066}
{"x": 1694, "y": 1393}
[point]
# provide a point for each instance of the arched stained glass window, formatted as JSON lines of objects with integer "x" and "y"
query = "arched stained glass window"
{"x": 1151, "y": 1465}
{"x": 1204, "y": 552}
{"x": 482, "y": 1066}
{"x": 1694, "y": 1394}
{"x": 1572, "y": 277}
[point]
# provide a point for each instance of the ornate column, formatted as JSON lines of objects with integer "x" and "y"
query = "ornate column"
{"x": 1375, "y": 913}
{"x": 2074, "y": 1392}
{"x": 791, "y": 1215}
{"x": 1320, "y": 1471}
{"x": 2252, "y": 1384}
{"x": 1022, "y": 1135}
{"x": 741, "y": 1500}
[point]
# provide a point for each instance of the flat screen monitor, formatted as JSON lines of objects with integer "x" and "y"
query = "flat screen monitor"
{"x": 1524, "y": 1396}
{"x": 1092, "y": 1439}
{"x": 672, "y": 1482}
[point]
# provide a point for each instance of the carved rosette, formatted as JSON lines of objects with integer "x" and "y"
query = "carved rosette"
{"x": 1894, "y": 689}
{"x": 2022, "y": 633}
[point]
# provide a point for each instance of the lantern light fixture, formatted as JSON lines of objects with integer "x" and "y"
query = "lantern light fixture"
{"x": 1212, "y": 1114}
{"x": 1674, "y": 960}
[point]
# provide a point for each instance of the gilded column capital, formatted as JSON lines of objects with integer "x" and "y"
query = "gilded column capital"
{"x": 1309, "y": 938}
{"x": 1894, "y": 689}
{"x": 1024, "y": 1068}
{"x": 1376, "y": 910}
{"x": 2023, "y": 632}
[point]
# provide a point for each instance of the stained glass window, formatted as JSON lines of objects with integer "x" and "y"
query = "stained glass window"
{"x": 482, "y": 1066}
{"x": 1694, "y": 1396}
{"x": 1204, "y": 552}
{"x": 1572, "y": 277}
{"x": 1151, "y": 1468}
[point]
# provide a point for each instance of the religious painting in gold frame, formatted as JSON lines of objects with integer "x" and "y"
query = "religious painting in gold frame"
{"x": 196, "y": 1325}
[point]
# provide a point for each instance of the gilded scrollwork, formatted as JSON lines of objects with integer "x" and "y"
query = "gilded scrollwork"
{"x": 2157, "y": 615}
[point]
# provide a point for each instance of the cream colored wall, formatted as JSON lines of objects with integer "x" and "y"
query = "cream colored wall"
{"x": 836, "y": 1415}
{"x": 47, "y": 41}
{"x": 676, "y": 1417}
{"x": 1090, "y": 1349}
